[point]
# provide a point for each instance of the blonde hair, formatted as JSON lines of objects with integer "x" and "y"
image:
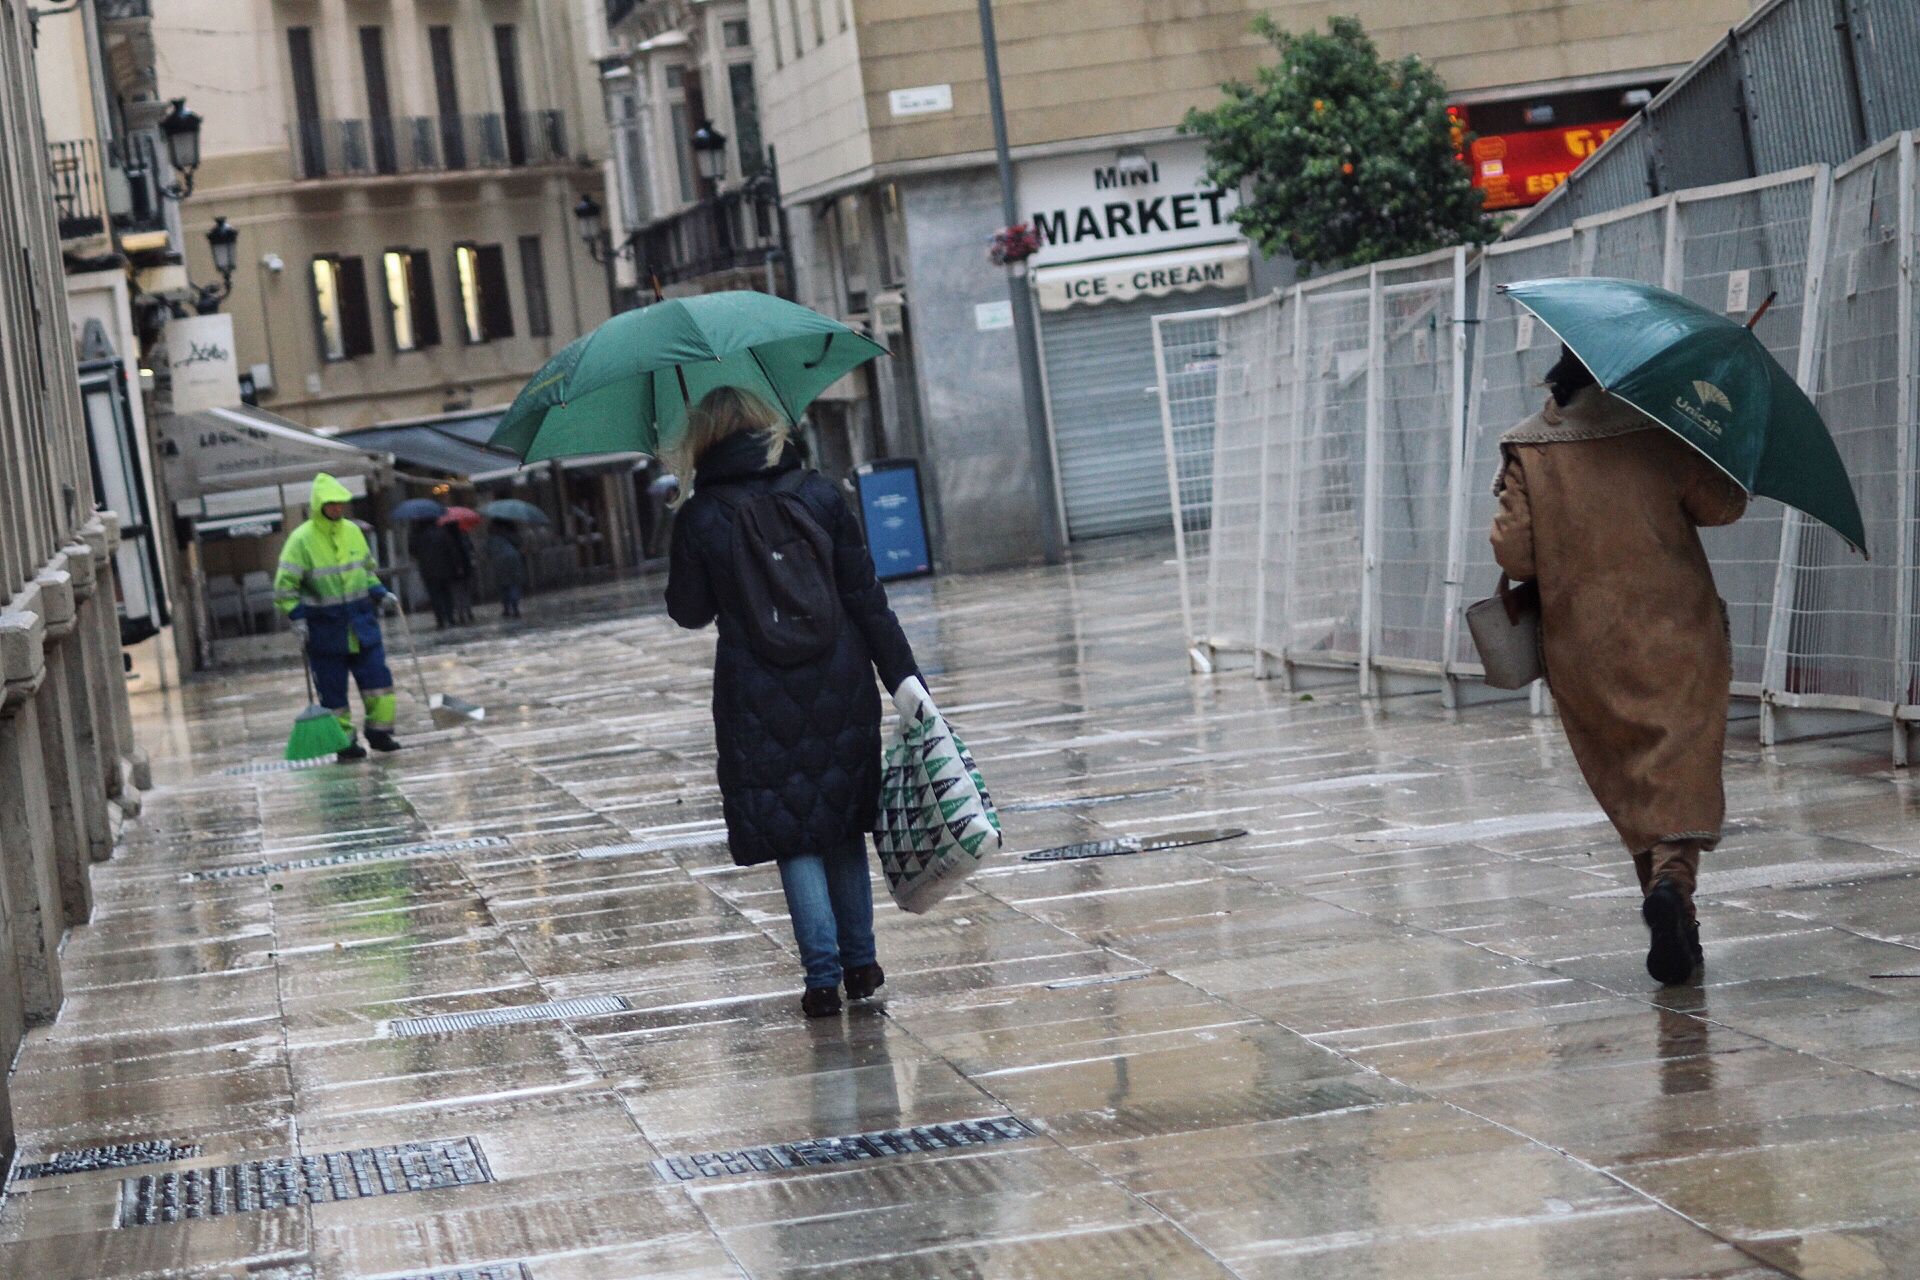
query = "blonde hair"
{"x": 722, "y": 413}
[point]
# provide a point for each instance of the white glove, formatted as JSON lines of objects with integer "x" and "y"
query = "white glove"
{"x": 910, "y": 697}
{"x": 299, "y": 627}
{"x": 389, "y": 604}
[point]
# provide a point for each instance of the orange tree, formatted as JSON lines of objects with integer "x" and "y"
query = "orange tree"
{"x": 1341, "y": 158}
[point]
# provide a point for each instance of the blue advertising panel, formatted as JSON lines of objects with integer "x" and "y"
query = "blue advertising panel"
{"x": 896, "y": 522}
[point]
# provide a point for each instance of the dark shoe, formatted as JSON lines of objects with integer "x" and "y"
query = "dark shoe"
{"x": 820, "y": 1002}
{"x": 1674, "y": 951}
{"x": 382, "y": 740}
{"x": 863, "y": 980}
{"x": 351, "y": 752}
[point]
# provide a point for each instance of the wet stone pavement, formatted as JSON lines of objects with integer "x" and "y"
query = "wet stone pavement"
{"x": 501, "y": 1007}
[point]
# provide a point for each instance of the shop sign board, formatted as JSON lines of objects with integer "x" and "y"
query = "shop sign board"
{"x": 200, "y": 354}
{"x": 1151, "y": 276}
{"x": 1108, "y": 204}
{"x": 1521, "y": 169}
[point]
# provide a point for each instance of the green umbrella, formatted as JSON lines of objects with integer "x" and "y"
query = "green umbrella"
{"x": 1707, "y": 379}
{"x": 626, "y": 386}
{"x": 514, "y": 511}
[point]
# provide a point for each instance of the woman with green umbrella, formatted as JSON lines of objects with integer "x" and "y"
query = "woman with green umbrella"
{"x": 1664, "y": 418}
{"x": 1602, "y": 507}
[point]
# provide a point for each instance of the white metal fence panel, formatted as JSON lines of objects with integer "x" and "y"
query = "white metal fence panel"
{"x": 1627, "y": 244}
{"x": 1732, "y": 247}
{"x": 1839, "y": 641}
{"x": 1281, "y": 477}
{"x": 1325, "y": 569}
{"x": 1243, "y": 390}
{"x": 1420, "y": 302}
{"x": 1185, "y": 357}
{"x": 1907, "y": 404}
{"x": 1511, "y": 356}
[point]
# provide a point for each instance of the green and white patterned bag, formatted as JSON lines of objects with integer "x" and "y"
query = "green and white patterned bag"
{"x": 937, "y": 822}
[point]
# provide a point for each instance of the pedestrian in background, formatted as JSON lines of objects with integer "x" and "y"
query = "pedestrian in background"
{"x": 799, "y": 741}
{"x": 508, "y": 565}
{"x": 439, "y": 552}
{"x": 1601, "y": 505}
{"x": 327, "y": 588}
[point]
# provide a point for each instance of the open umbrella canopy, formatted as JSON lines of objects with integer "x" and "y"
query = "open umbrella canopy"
{"x": 626, "y": 386}
{"x": 1707, "y": 379}
{"x": 514, "y": 511}
{"x": 466, "y": 517}
{"x": 419, "y": 509}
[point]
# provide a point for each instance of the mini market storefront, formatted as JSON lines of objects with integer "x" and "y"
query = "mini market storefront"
{"x": 1125, "y": 237}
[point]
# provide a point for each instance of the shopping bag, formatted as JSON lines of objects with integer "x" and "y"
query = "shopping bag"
{"x": 937, "y": 822}
{"x": 1506, "y": 630}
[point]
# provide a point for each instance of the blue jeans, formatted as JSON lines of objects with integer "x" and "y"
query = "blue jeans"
{"x": 831, "y": 902}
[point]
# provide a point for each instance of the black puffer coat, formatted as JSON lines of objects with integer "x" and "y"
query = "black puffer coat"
{"x": 799, "y": 746}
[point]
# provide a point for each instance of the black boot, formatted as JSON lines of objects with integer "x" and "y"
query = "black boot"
{"x": 820, "y": 1002}
{"x": 863, "y": 980}
{"x": 1673, "y": 952}
{"x": 351, "y": 752}
{"x": 381, "y": 740}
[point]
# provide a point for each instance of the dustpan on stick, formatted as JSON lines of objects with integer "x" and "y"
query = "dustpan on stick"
{"x": 448, "y": 712}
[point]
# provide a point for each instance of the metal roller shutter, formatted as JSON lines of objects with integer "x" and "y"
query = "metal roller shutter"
{"x": 1106, "y": 419}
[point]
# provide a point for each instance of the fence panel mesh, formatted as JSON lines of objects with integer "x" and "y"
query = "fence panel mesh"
{"x": 1415, "y": 467}
{"x": 1324, "y": 580}
{"x": 1511, "y": 355}
{"x": 1734, "y": 248}
{"x": 1186, "y": 350}
{"x": 1282, "y": 478}
{"x": 1243, "y": 389}
{"x": 1840, "y": 638}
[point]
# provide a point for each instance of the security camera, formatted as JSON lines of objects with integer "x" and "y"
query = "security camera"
{"x": 272, "y": 262}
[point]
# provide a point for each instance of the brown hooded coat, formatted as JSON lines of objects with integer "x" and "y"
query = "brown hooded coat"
{"x": 1602, "y": 506}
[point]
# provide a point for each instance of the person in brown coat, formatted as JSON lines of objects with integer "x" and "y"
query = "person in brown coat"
{"x": 1601, "y": 505}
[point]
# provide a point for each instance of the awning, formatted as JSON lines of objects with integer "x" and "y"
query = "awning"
{"x": 455, "y": 445}
{"x": 1221, "y": 266}
{"x": 243, "y": 459}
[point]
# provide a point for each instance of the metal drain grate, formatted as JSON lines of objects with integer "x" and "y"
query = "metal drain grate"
{"x": 658, "y": 844}
{"x": 290, "y": 1180}
{"x": 271, "y": 766}
{"x": 119, "y": 1155}
{"x": 585, "y": 1007}
{"x": 495, "y": 1271}
{"x": 859, "y": 1146}
{"x": 1124, "y": 845}
{"x": 390, "y": 854}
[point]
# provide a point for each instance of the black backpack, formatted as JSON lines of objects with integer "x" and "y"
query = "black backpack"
{"x": 783, "y": 566}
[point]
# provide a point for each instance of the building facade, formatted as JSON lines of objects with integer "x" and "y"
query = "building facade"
{"x": 402, "y": 177}
{"x": 878, "y": 113}
{"x": 68, "y": 769}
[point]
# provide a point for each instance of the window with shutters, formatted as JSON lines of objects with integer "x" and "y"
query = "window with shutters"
{"x": 412, "y": 321}
{"x": 533, "y": 287}
{"x": 486, "y": 313}
{"x": 342, "y": 318}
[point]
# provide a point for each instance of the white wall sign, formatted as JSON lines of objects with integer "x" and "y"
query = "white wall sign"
{"x": 922, "y": 100}
{"x": 1739, "y": 285}
{"x": 1189, "y": 271}
{"x": 993, "y": 315}
{"x": 1100, "y": 205}
{"x": 205, "y": 373}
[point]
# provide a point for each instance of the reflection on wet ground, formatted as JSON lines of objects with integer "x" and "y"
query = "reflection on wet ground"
{"x": 1399, "y": 1029}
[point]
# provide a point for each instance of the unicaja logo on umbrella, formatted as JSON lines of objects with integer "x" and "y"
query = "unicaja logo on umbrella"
{"x": 1706, "y": 409}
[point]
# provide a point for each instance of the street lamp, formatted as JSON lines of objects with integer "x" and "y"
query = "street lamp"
{"x": 181, "y": 127}
{"x": 600, "y": 246}
{"x": 710, "y": 150}
{"x": 221, "y": 239}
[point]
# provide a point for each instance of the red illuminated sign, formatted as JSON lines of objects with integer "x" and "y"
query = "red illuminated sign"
{"x": 1519, "y": 169}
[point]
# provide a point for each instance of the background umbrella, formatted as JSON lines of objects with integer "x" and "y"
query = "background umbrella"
{"x": 514, "y": 511}
{"x": 1707, "y": 379}
{"x": 419, "y": 509}
{"x": 466, "y": 517}
{"x": 626, "y": 386}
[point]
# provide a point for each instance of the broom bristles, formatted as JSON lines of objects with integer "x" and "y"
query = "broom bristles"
{"x": 316, "y": 733}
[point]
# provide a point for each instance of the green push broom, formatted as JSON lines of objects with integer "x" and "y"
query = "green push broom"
{"x": 315, "y": 731}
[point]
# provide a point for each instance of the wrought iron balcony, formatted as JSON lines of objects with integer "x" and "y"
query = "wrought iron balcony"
{"x": 734, "y": 231}
{"x": 129, "y": 199}
{"x": 428, "y": 144}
